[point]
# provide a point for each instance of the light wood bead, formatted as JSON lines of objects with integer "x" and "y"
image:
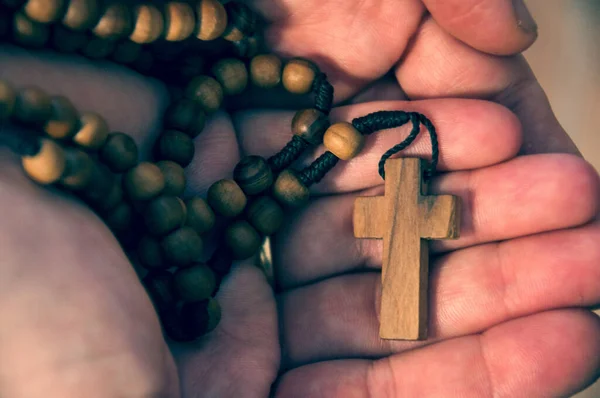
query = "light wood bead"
{"x": 231, "y": 73}
{"x": 101, "y": 185}
{"x": 199, "y": 215}
{"x": 187, "y": 116}
{"x": 265, "y": 214}
{"x": 180, "y": 21}
{"x": 161, "y": 289}
{"x": 81, "y": 14}
{"x": 63, "y": 119}
{"x": 8, "y": 98}
{"x": 44, "y": 11}
{"x": 126, "y": 52}
{"x": 174, "y": 177}
{"x": 289, "y": 190}
{"x": 182, "y": 247}
{"x": 29, "y": 33}
{"x": 176, "y": 146}
{"x": 299, "y": 75}
{"x": 120, "y": 218}
{"x": 207, "y": 92}
{"x": 67, "y": 40}
{"x": 143, "y": 182}
{"x": 150, "y": 254}
{"x": 243, "y": 240}
{"x": 310, "y": 124}
{"x": 115, "y": 22}
{"x": 119, "y": 152}
{"x": 232, "y": 33}
{"x": 148, "y": 24}
{"x": 253, "y": 175}
{"x": 226, "y": 198}
{"x": 33, "y": 106}
{"x": 195, "y": 283}
{"x": 212, "y": 20}
{"x": 48, "y": 165}
{"x": 92, "y": 132}
{"x": 265, "y": 70}
{"x": 98, "y": 48}
{"x": 164, "y": 214}
{"x": 343, "y": 140}
{"x": 78, "y": 171}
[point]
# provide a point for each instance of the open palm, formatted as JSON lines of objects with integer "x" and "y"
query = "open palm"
{"x": 502, "y": 313}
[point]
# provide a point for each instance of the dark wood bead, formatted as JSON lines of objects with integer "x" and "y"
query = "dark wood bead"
{"x": 289, "y": 190}
{"x": 299, "y": 75}
{"x": 199, "y": 215}
{"x": 78, "y": 171}
{"x": 200, "y": 317}
{"x": 173, "y": 325}
{"x": 44, "y": 11}
{"x": 32, "y": 107}
{"x": 119, "y": 152}
{"x": 241, "y": 19}
{"x": 243, "y": 240}
{"x": 180, "y": 21}
{"x": 81, "y": 14}
{"x": 126, "y": 52}
{"x": 310, "y": 124}
{"x": 220, "y": 262}
{"x": 160, "y": 287}
{"x": 231, "y": 73}
{"x": 8, "y": 98}
{"x": 164, "y": 214}
{"x": 148, "y": 24}
{"x": 92, "y": 132}
{"x": 101, "y": 185}
{"x": 144, "y": 182}
{"x": 226, "y": 198}
{"x": 98, "y": 48}
{"x": 120, "y": 218}
{"x": 212, "y": 20}
{"x": 28, "y": 33}
{"x": 265, "y": 70}
{"x": 113, "y": 197}
{"x": 253, "y": 175}
{"x": 46, "y": 166}
{"x": 207, "y": 92}
{"x": 265, "y": 214}
{"x": 195, "y": 283}
{"x": 66, "y": 40}
{"x": 182, "y": 247}
{"x": 149, "y": 252}
{"x": 116, "y": 22}
{"x": 187, "y": 116}
{"x": 343, "y": 140}
{"x": 176, "y": 146}
{"x": 63, "y": 119}
{"x": 174, "y": 177}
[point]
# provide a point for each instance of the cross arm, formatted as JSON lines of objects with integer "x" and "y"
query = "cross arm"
{"x": 369, "y": 217}
{"x": 440, "y": 217}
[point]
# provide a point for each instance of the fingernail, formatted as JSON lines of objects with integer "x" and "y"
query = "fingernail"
{"x": 524, "y": 19}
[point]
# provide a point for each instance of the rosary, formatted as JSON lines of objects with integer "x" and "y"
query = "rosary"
{"x": 142, "y": 201}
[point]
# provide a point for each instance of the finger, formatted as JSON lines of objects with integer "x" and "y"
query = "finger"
{"x": 502, "y": 27}
{"x": 453, "y": 69}
{"x": 544, "y": 355}
{"x": 470, "y": 291}
{"x": 526, "y": 195}
{"x": 471, "y": 134}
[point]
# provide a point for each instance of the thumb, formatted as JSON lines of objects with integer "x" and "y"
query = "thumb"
{"x": 501, "y": 27}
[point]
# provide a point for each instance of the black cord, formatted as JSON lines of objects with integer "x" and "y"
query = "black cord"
{"x": 318, "y": 169}
{"x": 288, "y": 154}
{"x": 323, "y": 93}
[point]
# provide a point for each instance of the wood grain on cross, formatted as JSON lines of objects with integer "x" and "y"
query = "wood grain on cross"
{"x": 404, "y": 218}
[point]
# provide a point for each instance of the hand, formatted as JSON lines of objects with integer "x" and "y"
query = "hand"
{"x": 118, "y": 333}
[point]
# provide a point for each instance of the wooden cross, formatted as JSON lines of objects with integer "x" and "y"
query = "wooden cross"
{"x": 404, "y": 218}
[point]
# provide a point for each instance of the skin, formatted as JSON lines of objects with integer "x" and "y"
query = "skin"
{"x": 509, "y": 300}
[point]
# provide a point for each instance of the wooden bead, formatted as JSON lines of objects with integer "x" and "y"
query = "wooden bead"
{"x": 148, "y": 24}
{"x": 174, "y": 177}
{"x": 299, "y": 75}
{"x": 115, "y": 22}
{"x": 44, "y": 11}
{"x": 289, "y": 190}
{"x": 310, "y": 124}
{"x": 164, "y": 214}
{"x": 101, "y": 185}
{"x": 187, "y": 116}
{"x": 248, "y": 47}
{"x": 32, "y": 107}
{"x": 199, "y": 215}
{"x": 119, "y": 152}
{"x": 120, "y": 218}
{"x": 343, "y": 140}
{"x": 8, "y": 98}
{"x": 180, "y": 21}
{"x": 253, "y": 175}
{"x": 81, "y": 14}
{"x": 92, "y": 132}
{"x": 195, "y": 283}
{"x": 98, "y": 48}
{"x": 212, "y": 20}
{"x": 63, "y": 119}
{"x": 200, "y": 317}
{"x": 221, "y": 260}
{"x": 207, "y": 92}
{"x": 241, "y": 20}
{"x": 48, "y": 165}
{"x": 265, "y": 70}
{"x": 242, "y": 239}
{"x": 67, "y": 40}
{"x": 176, "y": 146}
{"x": 182, "y": 247}
{"x": 265, "y": 214}
{"x": 126, "y": 52}
{"x": 29, "y": 33}
{"x": 144, "y": 181}
{"x": 160, "y": 287}
{"x": 150, "y": 253}
{"x": 78, "y": 171}
{"x": 214, "y": 314}
{"x": 231, "y": 73}
{"x": 226, "y": 198}
{"x": 113, "y": 197}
